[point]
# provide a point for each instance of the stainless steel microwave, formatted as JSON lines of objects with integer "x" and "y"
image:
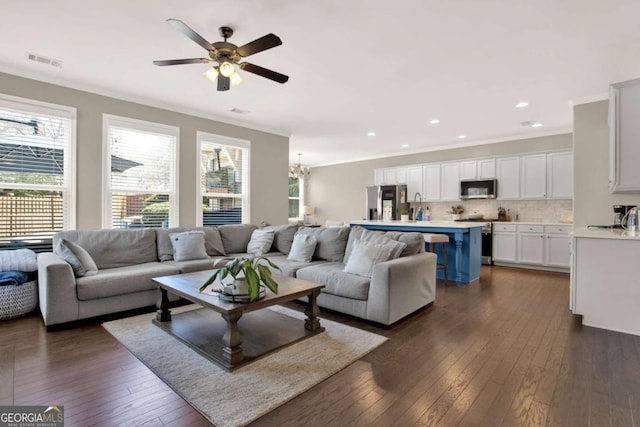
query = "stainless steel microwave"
{"x": 479, "y": 189}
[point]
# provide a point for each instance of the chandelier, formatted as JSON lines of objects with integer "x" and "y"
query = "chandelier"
{"x": 298, "y": 171}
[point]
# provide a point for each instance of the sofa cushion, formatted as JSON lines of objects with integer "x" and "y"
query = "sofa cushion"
{"x": 212, "y": 241}
{"x": 260, "y": 242}
{"x": 235, "y": 237}
{"x": 283, "y": 237}
{"x": 188, "y": 245}
{"x": 365, "y": 255}
{"x": 332, "y": 241}
{"x": 123, "y": 280}
{"x": 336, "y": 281}
{"x": 413, "y": 240}
{"x": 380, "y": 237}
{"x": 79, "y": 259}
{"x": 193, "y": 265}
{"x": 303, "y": 248}
{"x": 287, "y": 266}
{"x": 114, "y": 248}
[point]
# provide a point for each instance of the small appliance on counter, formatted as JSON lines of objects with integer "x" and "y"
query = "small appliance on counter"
{"x": 621, "y": 214}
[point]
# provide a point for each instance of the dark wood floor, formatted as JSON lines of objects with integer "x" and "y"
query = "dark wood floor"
{"x": 501, "y": 351}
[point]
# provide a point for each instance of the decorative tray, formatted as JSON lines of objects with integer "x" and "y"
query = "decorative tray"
{"x": 240, "y": 298}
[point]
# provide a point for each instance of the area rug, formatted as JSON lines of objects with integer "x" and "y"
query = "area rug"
{"x": 237, "y": 398}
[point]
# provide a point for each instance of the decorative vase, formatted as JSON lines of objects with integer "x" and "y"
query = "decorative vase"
{"x": 404, "y": 218}
{"x": 238, "y": 287}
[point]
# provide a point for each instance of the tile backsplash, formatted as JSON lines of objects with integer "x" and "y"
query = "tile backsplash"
{"x": 523, "y": 210}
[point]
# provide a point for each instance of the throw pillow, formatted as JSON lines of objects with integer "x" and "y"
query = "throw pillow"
{"x": 397, "y": 247}
{"x": 302, "y": 248}
{"x": 188, "y": 245}
{"x": 79, "y": 259}
{"x": 364, "y": 256}
{"x": 260, "y": 243}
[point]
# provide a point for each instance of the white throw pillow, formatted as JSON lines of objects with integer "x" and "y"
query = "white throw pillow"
{"x": 303, "y": 247}
{"x": 79, "y": 259}
{"x": 188, "y": 245}
{"x": 261, "y": 241}
{"x": 364, "y": 256}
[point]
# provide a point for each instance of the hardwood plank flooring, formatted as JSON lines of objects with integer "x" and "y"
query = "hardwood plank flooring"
{"x": 502, "y": 351}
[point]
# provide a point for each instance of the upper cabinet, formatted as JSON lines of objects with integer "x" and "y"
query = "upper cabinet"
{"x": 414, "y": 182}
{"x": 378, "y": 176}
{"x": 431, "y": 183}
{"x": 624, "y": 128}
{"x": 401, "y": 175}
{"x": 534, "y": 176}
{"x": 560, "y": 175}
{"x": 390, "y": 176}
{"x": 478, "y": 169}
{"x": 450, "y": 181}
{"x": 508, "y": 169}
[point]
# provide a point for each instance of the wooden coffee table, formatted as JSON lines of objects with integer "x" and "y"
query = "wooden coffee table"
{"x": 214, "y": 330}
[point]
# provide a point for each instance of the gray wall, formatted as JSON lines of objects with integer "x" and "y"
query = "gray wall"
{"x": 269, "y": 152}
{"x": 592, "y": 200}
{"x": 337, "y": 191}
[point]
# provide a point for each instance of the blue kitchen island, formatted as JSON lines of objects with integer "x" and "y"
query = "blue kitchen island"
{"x": 464, "y": 251}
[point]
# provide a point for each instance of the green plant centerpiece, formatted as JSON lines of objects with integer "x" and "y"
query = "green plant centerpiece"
{"x": 254, "y": 270}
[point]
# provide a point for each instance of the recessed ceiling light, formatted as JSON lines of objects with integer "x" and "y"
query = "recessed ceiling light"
{"x": 536, "y": 125}
{"x": 462, "y": 136}
{"x": 434, "y": 121}
{"x": 522, "y": 104}
{"x": 404, "y": 145}
{"x": 371, "y": 134}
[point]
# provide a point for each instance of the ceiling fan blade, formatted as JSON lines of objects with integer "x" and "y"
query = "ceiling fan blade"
{"x": 223, "y": 83}
{"x": 187, "y": 31}
{"x": 258, "y": 45}
{"x": 182, "y": 61}
{"x": 264, "y": 72}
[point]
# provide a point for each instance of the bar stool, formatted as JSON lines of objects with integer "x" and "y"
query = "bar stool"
{"x": 434, "y": 239}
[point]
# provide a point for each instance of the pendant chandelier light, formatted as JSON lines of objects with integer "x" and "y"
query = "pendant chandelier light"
{"x": 298, "y": 171}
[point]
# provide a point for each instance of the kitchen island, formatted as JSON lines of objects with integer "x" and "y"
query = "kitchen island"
{"x": 463, "y": 251}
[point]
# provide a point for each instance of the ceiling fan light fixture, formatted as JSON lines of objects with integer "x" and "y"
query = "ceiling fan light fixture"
{"x": 211, "y": 74}
{"x": 235, "y": 79}
{"x": 226, "y": 69}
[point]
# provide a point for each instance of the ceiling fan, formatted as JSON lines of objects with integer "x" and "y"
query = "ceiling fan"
{"x": 226, "y": 55}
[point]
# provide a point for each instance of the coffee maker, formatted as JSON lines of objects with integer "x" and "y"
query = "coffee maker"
{"x": 619, "y": 212}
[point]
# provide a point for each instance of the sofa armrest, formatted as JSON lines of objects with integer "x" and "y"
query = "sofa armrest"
{"x": 401, "y": 286}
{"x": 56, "y": 289}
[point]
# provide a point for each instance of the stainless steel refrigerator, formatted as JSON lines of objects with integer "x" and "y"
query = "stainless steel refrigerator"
{"x": 385, "y": 202}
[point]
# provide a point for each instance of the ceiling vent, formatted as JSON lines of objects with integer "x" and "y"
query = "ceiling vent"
{"x": 43, "y": 59}
{"x": 239, "y": 111}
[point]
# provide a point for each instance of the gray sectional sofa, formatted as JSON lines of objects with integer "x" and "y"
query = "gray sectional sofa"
{"x": 126, "y": 261}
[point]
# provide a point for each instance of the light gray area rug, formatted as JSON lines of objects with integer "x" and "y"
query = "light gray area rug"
{"x": 239, "y": 397}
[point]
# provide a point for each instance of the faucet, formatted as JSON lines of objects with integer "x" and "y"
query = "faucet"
{"x": 415, "y": 198}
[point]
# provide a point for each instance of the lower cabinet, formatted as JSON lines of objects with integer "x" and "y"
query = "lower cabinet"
{"x": 533, "y": 244}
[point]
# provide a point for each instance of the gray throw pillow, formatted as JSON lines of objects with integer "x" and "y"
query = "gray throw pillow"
{"x": 302, "y": 248}
{"x": 397, "y": 247}
{"x": 332, "y": 241}
{"x": 188, "y": 245}
{"x": 364, "y": 256}
{"x": 260, "y": 243}
{"x": 235, "y": 237}
{"x": 79, "y": 259}
{"x": 283, "y": 238}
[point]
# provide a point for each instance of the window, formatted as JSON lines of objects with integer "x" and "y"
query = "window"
{"x": 140, "y": 174}
{"x": 296, "y": 188}
{"x": 224, "y": 180}
{"x": 37, "y": 173}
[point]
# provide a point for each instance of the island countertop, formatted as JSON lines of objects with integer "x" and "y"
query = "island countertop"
{"x": 419, "y": 224}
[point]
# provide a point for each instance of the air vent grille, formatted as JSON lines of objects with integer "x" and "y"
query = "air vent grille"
{"x": 43, "y": 59}
{"x": 239, "y": 111}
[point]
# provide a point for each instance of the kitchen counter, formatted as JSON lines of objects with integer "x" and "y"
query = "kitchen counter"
{"x": 464, "y": 251}
{"x": 535, "y": 223}
{"x": 618, "y": 234}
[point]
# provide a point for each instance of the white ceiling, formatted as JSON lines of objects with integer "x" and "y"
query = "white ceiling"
{"x": 355, "y": 66}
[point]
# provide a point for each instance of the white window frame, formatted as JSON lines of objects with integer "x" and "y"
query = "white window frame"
{"x": 246, "y": 170}
{"x": 301, "y": 185}
{"x": 108, "y": 121}
{"x": 70, "y": 190}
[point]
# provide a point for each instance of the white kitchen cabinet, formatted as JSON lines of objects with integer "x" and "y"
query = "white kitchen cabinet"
{"x": 624, "y": 128}
{"x": 508, "y": 173}
{"x": 389, "y": 176}
{"x": 414, "y": 182}
{"x": 531, "y": 244}
{"x": 378, "y": 176}
{"x": 401, "y": 175}
{"x": 504, "y": 243}
{"x": 431, "y": 183}
{"x": 557, "y": 246}
{"x": 534, "y": 176}
{"x": 560, "y": 175}
{"x": 478, "y": 169}
{"x": 450, "y": 181}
